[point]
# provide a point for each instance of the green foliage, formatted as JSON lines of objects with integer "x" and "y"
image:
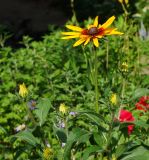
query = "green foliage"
{"x": 56, "y": 73}
{"x": 42, "y": 110}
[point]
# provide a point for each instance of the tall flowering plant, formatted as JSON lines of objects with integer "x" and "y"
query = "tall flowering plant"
{"x": 92, "y": 33}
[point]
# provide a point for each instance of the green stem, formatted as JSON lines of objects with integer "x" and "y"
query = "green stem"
{"x": 107, "y": 56}
{"x": 30, "y": 115}
{"x": 96, "y": 81}
{"x": 123, "y": 88}
{"x": 109, "y": 136}
{"x": 66, "y": 126}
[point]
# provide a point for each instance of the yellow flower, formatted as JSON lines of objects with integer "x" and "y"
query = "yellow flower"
{"x": 48, "y": 153}
{"x": 126, "y": 1}
{"x": 92, "y": 33}
{"x": 113, "y": 99}
{"x": 63, "y": 108}
{"x": 23, "y": 92}
{"x": 124, "y": 67}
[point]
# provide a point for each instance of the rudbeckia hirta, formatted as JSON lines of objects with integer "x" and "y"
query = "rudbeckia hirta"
{"x": 91, "y": 33}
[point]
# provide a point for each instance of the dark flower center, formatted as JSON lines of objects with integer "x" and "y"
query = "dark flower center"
{"x": 93, "y": 31}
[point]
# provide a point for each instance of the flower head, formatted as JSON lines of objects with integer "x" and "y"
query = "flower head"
{"x": 124, "y": 67}
{"x": 32, "y": 104}
{"x": 73, "y": 113}
{"x": 113, "y": 99}
{"x": 61, "y": 124}
{"x": 63, "y": 145}
{"x": 23, "y": 92}
{"x": 126, "y": 116}
{"x": 143, "y": 103}
{"x": 20, "y": 127}
{"x": 63, "y": 108}
{"x": 92, "y": 33}
{"x": 48, "y": 153}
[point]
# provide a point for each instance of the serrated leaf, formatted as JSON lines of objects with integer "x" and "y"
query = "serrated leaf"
{"x": 28, "y": 137}
{"x": 42, "y": 110}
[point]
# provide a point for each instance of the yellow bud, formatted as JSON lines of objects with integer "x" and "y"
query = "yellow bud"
{"x": 126, "y": 1}
{"x": 63, "y": 108}
{"x": 114, "y": 157}
{"x": 113, "y": 99}
{"x": 120, "y": 1}
{"x": 48, "y": 153}
{"x": 23, "y": 92}
{"x": 124, "y": 67}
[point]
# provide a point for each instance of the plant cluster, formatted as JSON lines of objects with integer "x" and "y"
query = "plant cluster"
{"x": 87, "y": 102}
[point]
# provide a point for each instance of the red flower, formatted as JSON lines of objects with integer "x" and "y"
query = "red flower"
{"x": 126, "y": 116}
{"x": 143, "y": 103}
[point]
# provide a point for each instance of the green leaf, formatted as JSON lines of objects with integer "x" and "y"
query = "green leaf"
{"x": 140, "y": 153}
{"x": 77, "y": 135}
{"x": 140, "y": 92}
{"x": 121, "y": 149}
{"x": 61, "y": 134}
{"x": 28, "y": 137}
{"x": 99, "y": 139}
{"x": 42, "y": 110}
{"x": 91, "y": 150}
{"x": 141, "y": 124}
{"x": 95, "y": 118}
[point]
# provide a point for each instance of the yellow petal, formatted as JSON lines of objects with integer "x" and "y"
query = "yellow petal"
{"x": 96, "y": 21}
{"x": 87, "y": 41}
{"x": 70, "y": 37}
{"x": 95, "y": 41}
{"x": 70, "y": 33}
{"x": 74, "y": 28}
{"x": 116, "y": 32}
{"x": 111, "y": 31}
{"x": 80, "y": 41}
{"x": 108, "y": 22}
{"x": 99, "y": 36}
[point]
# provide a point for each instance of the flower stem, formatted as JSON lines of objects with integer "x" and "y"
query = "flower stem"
{"x": 30, "y": 115}
{"x": 107, "y": 56}
{"x": 66, "y": 126}
{"x": 96, "y": 80}
{"x": 123, "y": 88}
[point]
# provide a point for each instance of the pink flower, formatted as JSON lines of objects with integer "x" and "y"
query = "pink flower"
{"x": 143, "y": 103}
{"x": 126, "y": 116}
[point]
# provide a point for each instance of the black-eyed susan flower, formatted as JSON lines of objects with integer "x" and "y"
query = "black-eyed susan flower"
{"x": 63, "y": 108}
{"x": 91, "y": 33}
{"x": 23, "y": 92}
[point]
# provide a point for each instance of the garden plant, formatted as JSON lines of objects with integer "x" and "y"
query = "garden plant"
{"x": 82, "y": 99}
